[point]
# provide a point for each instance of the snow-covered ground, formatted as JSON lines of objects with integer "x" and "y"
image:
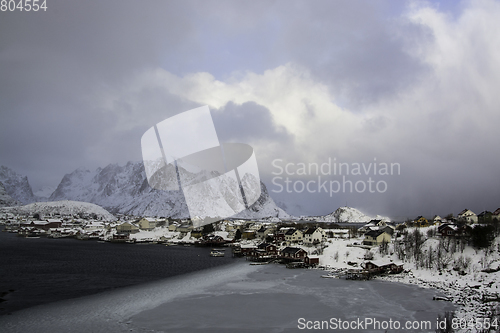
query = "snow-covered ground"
{"x": 465, "y": 290}
{"x": 64, "y": 207}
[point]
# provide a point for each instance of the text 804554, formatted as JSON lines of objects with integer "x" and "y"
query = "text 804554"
{"x": 23, "y": 5}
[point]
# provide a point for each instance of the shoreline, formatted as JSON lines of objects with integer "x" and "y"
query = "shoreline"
{"x": 217, "y": 296}
{"x": 469, "y": 299}
{"x": 109, "y": 311}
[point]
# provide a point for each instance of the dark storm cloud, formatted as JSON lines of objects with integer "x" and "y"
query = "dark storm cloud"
{"x": 53, "y": 64}
{"x": 246, "y": 123}
{"x": 73, "y": 90}
{"x": 356, "y": 48}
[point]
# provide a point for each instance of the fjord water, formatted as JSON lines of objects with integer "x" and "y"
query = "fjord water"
{"x": 231, "y": 296}
{"x": 36, "y": 271}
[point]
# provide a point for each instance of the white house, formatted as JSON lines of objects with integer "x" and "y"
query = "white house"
{"x": 468, "y": 216}
{"x": 314, "y": 235}
{"x": 294, "y": 236}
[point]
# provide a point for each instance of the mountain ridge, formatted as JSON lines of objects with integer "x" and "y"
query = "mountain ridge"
{"x": 125, "y": 189}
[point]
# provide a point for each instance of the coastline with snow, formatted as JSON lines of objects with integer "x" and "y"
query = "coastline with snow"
{"x": 472, "y": 290}
{"x": 237, "y": 297}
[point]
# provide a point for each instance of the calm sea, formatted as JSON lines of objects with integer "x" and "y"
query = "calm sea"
{"x": 36, "y": 271}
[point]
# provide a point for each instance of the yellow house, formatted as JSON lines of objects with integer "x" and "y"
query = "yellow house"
{"x": 147, "y": 223}
{"x": 376, "y": 237}
{"x": 127, "y": 227}
{"x": 421, "y": 222}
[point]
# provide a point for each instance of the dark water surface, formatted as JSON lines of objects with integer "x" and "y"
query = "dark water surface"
{"x": 36, "y": 271}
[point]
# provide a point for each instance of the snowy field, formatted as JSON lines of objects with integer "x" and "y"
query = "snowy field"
{"x": 465, "y": 289}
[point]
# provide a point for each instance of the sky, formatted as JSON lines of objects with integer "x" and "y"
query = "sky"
{"x": 369, "y": 84}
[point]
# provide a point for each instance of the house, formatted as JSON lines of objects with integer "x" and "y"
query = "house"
{"x": 247, "y": 249}
{"x": 485, "y": 217}
{"x": 120, "y": 237}
{"x": 468, "y": 216}
{"x": 263, "y": 232}
{"x": 127, "y": 227}
{"x": 293, "y": 253}
{"x": 367, "y": 227}
{"x": 314, "y": 236}
{"x": 496, "y": 215}
{"x": 421, "y": 221}
{"x": 452, "y": 230}
{"x": 437, "y": 219}
{"x": 248, "y": 234}
{"x": 263, "y": 251}
{"x": 147, "y": 223}
{"x": 389, "y": 229}
{"x": 293, "y": 236}
{"x": 43, "y": 225}
{"x": 380, "y": 266}
{"x": 94, "y": 226}
{"x": 197, "y": 232}
{"x": 279, "y": 237}
{"x": 447, "y": 230}
{"x": 268, "y": 248}
{"x": 379, "y": 223}
{"x": 337, "y": 233}
{"x": 376, "y": 237}
{"x": 311, "y": 261}
{"x": 184, "y": 228}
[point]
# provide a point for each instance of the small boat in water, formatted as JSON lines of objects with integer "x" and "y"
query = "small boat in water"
{"x": 216, "y": 253}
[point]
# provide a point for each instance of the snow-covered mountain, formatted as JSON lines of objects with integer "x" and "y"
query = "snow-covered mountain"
{"x": 83, "y": 209}
{"x": 125, "y": 189}
{"x": 6, "y": 200}
{"x": 349, "y": 214}
{"x": 16, "y": 185}
{"x": 44, "y": 192}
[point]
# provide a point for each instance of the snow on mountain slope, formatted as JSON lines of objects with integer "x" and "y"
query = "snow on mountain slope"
{"x": 349, "y": 214}
{"x": 44, "y": 192}
{"x": 125, "y": 189}
{"x": 6, "y": 200}
{"x": 16, "y": 185}
{"x": 62, "y": 207}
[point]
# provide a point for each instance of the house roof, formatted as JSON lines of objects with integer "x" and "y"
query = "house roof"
{"x": 310, "y": 231}
{"x": 447, "y": 226}
{"x": 291, "y": 250}
{"x": 484, "y": 213}
{"x": 263, "y": 245}
{"x": 465, "y": 211}
{"x": 497, "y": 212}
{"x": 290, "y": 232}
{"x": 374, "y": 233}
{"x": 381, "y": 263}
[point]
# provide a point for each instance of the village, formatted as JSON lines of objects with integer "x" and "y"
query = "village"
{"x": 458, "y": 256}
{"x": 298, "y": 242}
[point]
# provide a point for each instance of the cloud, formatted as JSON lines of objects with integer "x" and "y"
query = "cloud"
{"x": 409, "y": 84}
{"x": 248, "y": 122}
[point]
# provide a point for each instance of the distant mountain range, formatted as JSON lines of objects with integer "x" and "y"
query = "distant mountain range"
{"x": 125, "y": 189}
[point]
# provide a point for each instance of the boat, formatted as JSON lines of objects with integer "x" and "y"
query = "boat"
{"x": 330, "y": 276}
{"x": 216, "y": 253}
